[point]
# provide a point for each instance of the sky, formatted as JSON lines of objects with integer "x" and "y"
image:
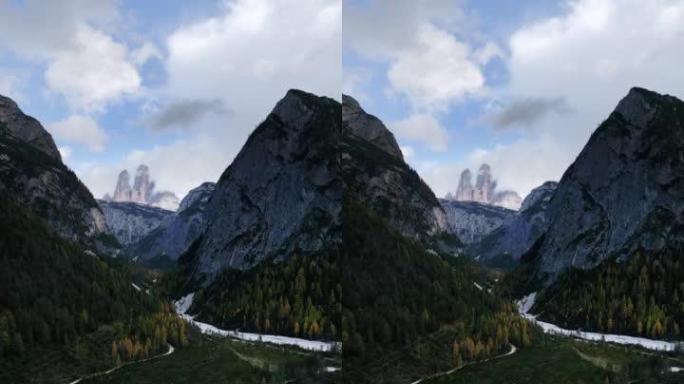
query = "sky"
{"x": 178, "y": 85}
{"x": 517, "y": 84}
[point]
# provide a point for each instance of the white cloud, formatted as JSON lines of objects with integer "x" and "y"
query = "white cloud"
{"x": 594, "y": 52}
{"x": 488, "y": 52}
{"x": 84, "y": 63}
{"x": 247, "y": 56}
{"x": 65, "y": 152}
{"x": 427, "y": 63}
{"x": 588, "y": 57}
{"x": 94, "y": 72}
{"x": 79, "y": 129}
{"x": 408, "y": 152}
{"x": 520, "y": 166}
{"x": 177, "y": 167}
{"x": 144, "y": 53}
{"x": 435, "y": 71}
{"x": 422, "y": 128}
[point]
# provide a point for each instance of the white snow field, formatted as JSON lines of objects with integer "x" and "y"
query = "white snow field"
{"x": 185, "y": 302}
{"x": 527, "y": 302}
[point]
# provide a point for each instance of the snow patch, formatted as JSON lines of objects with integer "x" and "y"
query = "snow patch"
{"x": 185, "y": 302}
{"x": 527, "y": 302}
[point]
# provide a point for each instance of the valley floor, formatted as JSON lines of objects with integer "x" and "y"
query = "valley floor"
{"x": 559, "y": 360}
{"x": 223, "y": 360}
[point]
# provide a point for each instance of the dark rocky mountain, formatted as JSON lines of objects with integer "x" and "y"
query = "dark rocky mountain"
{"x": 32, "y": 174}
{"x": 518, "y": 232}
{"x": 625, "y": 190}
{"x": 177, "y": 231}
{"x": 374, "y": 171}
{"x": 368, "y": 127}
{"x": 283, "y": 192}
{"x": 471, "y": 221}
{"x": 26, "y": 128}
{"x": 130, "y": 222}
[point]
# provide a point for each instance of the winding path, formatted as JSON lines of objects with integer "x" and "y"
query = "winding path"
{"x": 96, "y": 374}
{"x": 449, "y": 372}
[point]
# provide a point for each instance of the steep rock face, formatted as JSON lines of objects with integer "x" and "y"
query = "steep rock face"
{"x": 472, "y": 221}
{"x": 484, "y": 190}
{"x": 175, "y": 233}
{"x": 518, "y": 232}
{"x": 465, "y": 190}
{"x": 123, "y": 191}
{"x": 281, "y": 195}
{"x": 382, "y": 181}
{"x": 368, "y": 127}
{"x": 484, "y": 185}
{"x": 32, "y": 173}
{"x": 130, "y": 222}
{"x": 624, "y": 191}
{"x": 26, "y": 128}
{"x": 142, "y": 186}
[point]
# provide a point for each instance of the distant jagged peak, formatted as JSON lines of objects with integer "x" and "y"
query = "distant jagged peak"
{"x": 485, "y": 189}
{"x": 143, "y": 191}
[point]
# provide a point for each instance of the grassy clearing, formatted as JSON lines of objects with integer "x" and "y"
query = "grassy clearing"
{"x": 559, "y": 361}
{"x": 220, "y": 360}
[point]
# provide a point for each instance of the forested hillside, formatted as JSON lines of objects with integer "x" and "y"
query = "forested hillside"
{"x": 643, "y": 296}
{"x": 409, "y": 312}
{"x": 298, "y": 297}
{"x": 66, "y": 311}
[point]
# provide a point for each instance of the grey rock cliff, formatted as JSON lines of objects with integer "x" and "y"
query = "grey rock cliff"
{"x": 32, "y": 173}
{"x": 123, "y": 191}
{"x": 471, "y": 221}
{"x": 382, "y": 181}
{"x": 281, "y": 195}
{"x": 177, "y": 232}
{"x": 518, "y": 232}
{"x": 130, "y": 222}
{"x": 26, "y": 128}
{"x": 625, "y": 190}
{"x": 368, "y": 127}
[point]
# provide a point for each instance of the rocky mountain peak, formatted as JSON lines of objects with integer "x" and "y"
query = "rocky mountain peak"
{"x": 142, "y": 191}
{"x": 203, "y": 193}
{"x": 122, "y": 192}
{"x": 294, "y": 109}
{"x": 26, "y": 128}
{"x": 142, "y": 186}
{"x": 624, "y": 191}
{"x": 484, "y": 190}
{"x": 544, "y": 191}
{"x": 368, "y": 127}
{"x": 637, "y": 108}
